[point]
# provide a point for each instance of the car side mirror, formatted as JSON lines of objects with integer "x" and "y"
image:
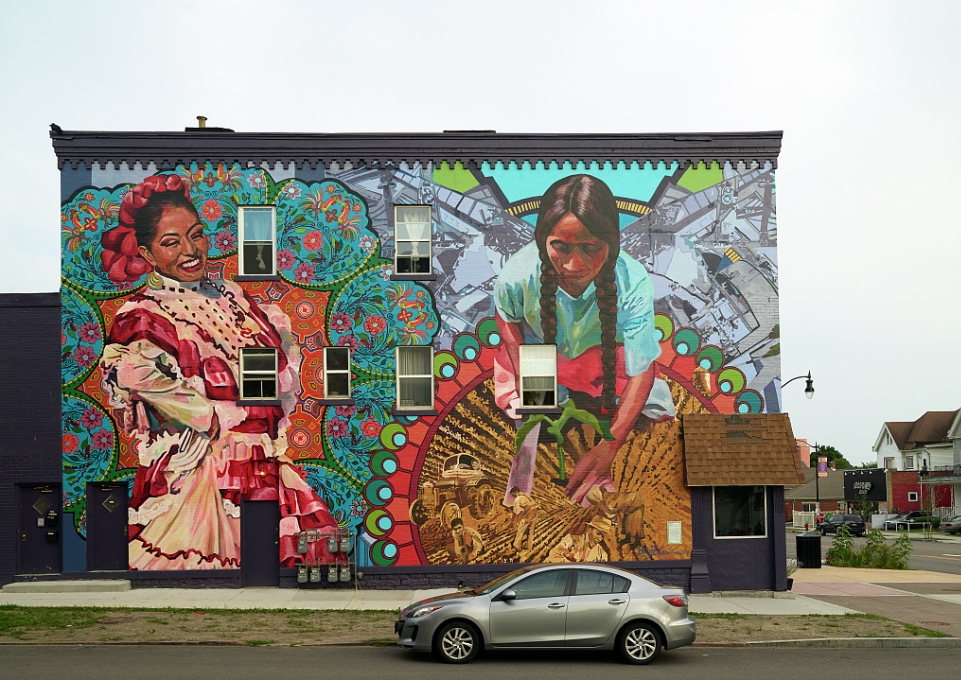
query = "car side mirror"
{"x": 508, "y": 595}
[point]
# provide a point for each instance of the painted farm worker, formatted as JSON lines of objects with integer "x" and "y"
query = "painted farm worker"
{"x": 525, "y": 512}
{"x": 585, "y": 547}
{"x": 574, "y": 288}
{"x": 468, "y": 543}
{"x": 172, "y": 364}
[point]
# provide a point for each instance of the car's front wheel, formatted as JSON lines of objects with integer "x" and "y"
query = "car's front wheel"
{"x": 639, "y": 644}
{"x": 824, "y": 532}
{"x": 456, "y": 642}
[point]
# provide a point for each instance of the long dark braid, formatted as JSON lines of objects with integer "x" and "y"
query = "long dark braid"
{"x": 590, "y": 201}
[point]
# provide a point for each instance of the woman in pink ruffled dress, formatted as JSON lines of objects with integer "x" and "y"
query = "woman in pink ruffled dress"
{"x": 172, "y": 364}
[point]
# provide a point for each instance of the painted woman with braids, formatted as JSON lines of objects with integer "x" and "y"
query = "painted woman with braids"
{"x": 574, "y": 288}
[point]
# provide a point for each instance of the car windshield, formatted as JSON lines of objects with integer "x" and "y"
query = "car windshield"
{"x": 499, "y": 581}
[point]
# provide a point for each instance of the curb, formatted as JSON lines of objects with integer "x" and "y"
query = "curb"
{"x": 848, "y": 643}
{"x": 816, "y": 643}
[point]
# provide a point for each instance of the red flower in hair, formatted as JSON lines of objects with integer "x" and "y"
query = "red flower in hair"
{"x": 121, "y": 257}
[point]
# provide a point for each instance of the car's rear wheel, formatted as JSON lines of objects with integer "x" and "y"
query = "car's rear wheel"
{"x": 639, "y": 644}
{"x": 457, "y": 642}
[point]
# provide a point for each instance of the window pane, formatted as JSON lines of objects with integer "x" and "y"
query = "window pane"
{"x": 258, "y": 258}
{"x": 537, "y": 383}
{"x": 416, "y": 392}
{"x": 337, "y": 358}
{"x": 594, "y": 583}
{"x": 413, "y": 232}
{"x": 259, "y": 389}
{"x": 545, "y": 584}
{"x": 338, "y": 385}
{"x": 739, "y": 511}
{"x": 259, "y": 360}
{"x": 412, "y": 213}
{"x": 413, "y": 249}
{"x": 621, "y": 585}
{"x": 413, "y": 265}
{"x": 258, "y": 224}
{"x": 415, "y": 360}
{"x": 538, "y": 360}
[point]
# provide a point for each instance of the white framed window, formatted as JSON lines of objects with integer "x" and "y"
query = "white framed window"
{"x": 538, "y": 375}
{"x": 889, "y": 463}
{"x": 336, "y": 372}
{"x": 412, "y": 239}
{"x": 809, "y": 507}
{"x": 415, "y": 377}
{"x": 909, "y": 462}
{"x": 740, "y": 512}
{"x": 912, "y": 496}
{"x": 257, "y": 233}
{"x": 258, "y": 373}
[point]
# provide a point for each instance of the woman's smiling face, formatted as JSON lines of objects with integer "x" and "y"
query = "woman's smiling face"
{"x": 576, "y": 254}
{"x": 179, "y": 248}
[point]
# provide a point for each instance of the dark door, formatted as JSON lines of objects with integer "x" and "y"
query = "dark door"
{"x": 40, "y": 519}
{"x": 260, "y": 543}
{"x": 107, "y": 544}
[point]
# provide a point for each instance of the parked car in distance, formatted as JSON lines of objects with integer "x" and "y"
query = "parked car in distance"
{"x": 951, "y": 526}
{"x": 564, "y": 606}
{"x": 907, "y": 521}
{"x": 854, "y": 524}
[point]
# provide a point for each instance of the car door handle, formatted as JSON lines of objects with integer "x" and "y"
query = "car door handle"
{"x": 616, "y": 601}
{"x": 555, "y": 605}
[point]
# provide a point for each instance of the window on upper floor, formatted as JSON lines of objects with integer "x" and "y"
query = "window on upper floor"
{"x": 258, "y": 373}
{"x": 909, "y": 462}
{"x": 889, "y": 463}
{"x": 257, "y": 234}
{"x": 412, "y": 239}
{"x": 415, "y": 377}
{"x": 337, "y": 372}
{"x": 538, "y": 375}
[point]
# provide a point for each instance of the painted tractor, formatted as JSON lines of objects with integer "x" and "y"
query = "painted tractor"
{"x": 463, "y": 484}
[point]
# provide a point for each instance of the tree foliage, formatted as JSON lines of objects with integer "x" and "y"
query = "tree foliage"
{"x": 833, "y": 456}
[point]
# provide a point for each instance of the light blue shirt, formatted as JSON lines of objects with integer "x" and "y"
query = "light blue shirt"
{"x": 517, "y": 297}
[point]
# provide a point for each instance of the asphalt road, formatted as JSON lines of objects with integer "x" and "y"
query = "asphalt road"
{"x": 941, "y": 556}
{"x": 366, "y": 663}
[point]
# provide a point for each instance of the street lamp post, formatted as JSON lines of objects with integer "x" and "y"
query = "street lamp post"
{"x": 808, "y": 388}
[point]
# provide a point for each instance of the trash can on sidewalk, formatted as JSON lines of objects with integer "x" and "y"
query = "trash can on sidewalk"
{"x": 809, "y": 550}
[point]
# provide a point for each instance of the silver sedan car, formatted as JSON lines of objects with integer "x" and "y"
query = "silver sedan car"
{"x": 569, "y": 606}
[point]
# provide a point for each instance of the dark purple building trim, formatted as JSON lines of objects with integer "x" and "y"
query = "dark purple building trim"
{"x": 737, "y": 563}
{"x": 166, "y": 149}
{"x": 29, "y": 406}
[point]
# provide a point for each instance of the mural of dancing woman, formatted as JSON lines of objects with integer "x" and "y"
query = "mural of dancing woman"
{"x": 171, "y": 364}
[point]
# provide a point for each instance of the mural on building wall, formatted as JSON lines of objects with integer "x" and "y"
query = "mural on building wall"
{"x": 656, "y": 283}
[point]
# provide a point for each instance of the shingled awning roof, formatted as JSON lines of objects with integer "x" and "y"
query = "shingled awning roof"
{"x": 736, "y": 450}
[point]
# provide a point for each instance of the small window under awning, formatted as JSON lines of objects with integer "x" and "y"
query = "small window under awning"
{"x": 740, "y": 450}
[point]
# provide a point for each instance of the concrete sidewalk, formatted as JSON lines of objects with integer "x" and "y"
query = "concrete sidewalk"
{"x": 829, "y": 590}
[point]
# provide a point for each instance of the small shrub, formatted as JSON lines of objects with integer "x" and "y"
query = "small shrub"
{"x": 842, "y": 553}
{"x": 791, "y": 567}
{"x": 875, "y": 554}
{"x": 901, "y": 552}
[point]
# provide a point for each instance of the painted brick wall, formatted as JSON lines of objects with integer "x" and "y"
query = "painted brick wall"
{"x": 29, "y": 405}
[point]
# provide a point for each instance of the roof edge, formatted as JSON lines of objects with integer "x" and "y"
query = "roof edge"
{"x": 170, "y": 148}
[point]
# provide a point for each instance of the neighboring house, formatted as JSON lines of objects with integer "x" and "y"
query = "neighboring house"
{"x": 924, "y": 458}
{"x": 804, "y": 498}
{"x": 932, "y": 441}
{"x": 270, "y": 337}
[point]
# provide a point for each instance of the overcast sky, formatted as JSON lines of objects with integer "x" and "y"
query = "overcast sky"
{"x": 867, "y": 94}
